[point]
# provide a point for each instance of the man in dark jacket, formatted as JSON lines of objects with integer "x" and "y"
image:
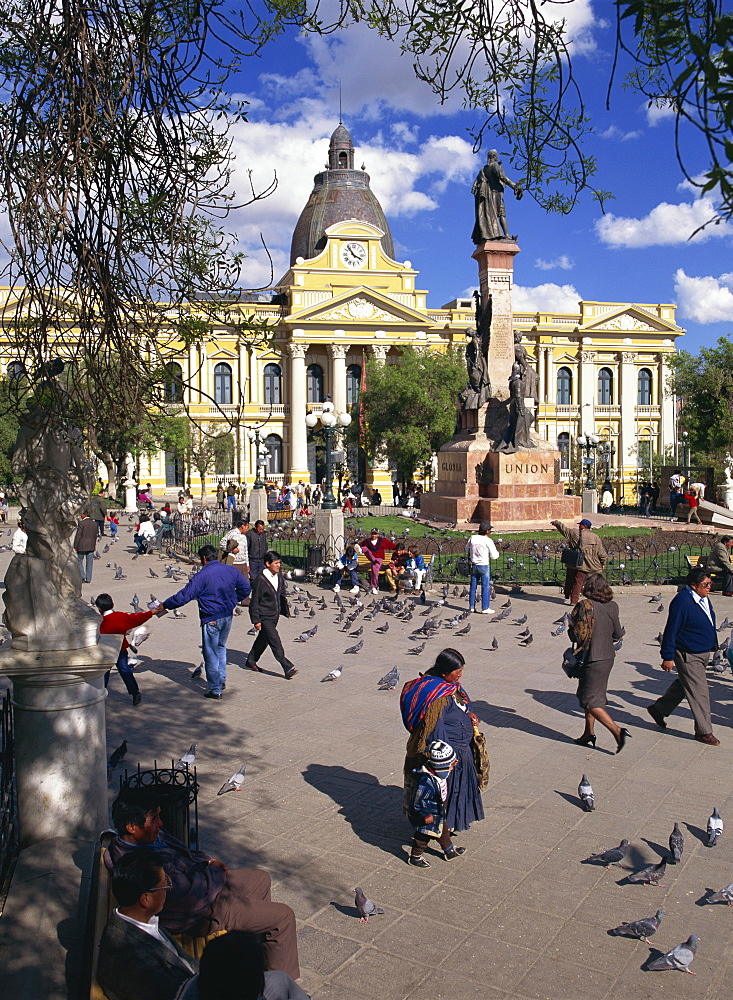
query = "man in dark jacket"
{"x": 718, "y": 562}
{"x": 689, "y": 638}
{"x": 256, "y": 548}
{"x": 97, "y": 510}
{"x": 138, "y": 960}
{"x": 85, "y": 542}
{"x": 218, "y": 589}
{"x": 205, "y": 896}
{"x": 265, "y": 607}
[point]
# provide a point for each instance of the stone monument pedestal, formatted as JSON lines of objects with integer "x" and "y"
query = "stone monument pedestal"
{"x": 329, "y": 531}
{"x": 476, "y": 484}
{"x": 258, "y": 505}
{"x": 60, "y": 739}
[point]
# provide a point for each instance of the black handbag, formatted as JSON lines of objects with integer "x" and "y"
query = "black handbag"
{"x": 573, "y": 555}
{"x": 572, "y": 664}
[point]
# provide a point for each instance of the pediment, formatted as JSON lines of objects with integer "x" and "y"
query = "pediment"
{"x": 360, "y": 305}
{"x": 222, "y": 354}
{"x": 629, "y": 319}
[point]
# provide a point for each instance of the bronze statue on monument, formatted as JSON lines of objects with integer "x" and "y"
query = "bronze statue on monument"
{"x": 478, "y": 391}
{"x": 488, "y": 191}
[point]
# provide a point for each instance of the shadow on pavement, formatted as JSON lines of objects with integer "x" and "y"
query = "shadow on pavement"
{"x": 507, "y": 718}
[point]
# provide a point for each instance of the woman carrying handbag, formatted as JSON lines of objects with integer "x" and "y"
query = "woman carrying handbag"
{"x": 594, "y": 628}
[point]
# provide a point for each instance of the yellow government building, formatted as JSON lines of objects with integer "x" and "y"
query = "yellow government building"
{"x": 345, "y": 299}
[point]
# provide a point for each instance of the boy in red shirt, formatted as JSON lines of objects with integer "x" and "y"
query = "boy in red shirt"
{"x": 118, "y": 623}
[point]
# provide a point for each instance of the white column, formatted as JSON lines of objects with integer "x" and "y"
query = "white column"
{"x": 549, "y": 376}
{"x": 627, "y": 456}
{"x": 191, "y": 379}
{"x": 587, "y": 376}
{"x": 337, "y": 378}
{"x": 379, "y": 476}
{"x": 255, "y": 377}
{"x": 667, "y": 409}
{"x": 242, "y": 390}
{"x": 298, "y": 439}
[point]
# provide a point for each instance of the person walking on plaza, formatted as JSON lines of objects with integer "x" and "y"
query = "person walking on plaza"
{"x": 375, "y": 548}
{"x": 85, "y": 542}
{"x": 481, "y": 550}
{"x": 217, "y": 589}
{"x": 240, "y": 558}
{"x": 692, "y": 500}
{"x": 256, "y": 548}
{"x": 426, "y": 808}
{"x": 119, "y": 623}
{"x": 232, "y": 496}
{"x": 97, "y": 510}
{"x": 718, "y": 561}
{"x": 689, "y": 638}
{"x": 594, "y": 628}
{"x": 266, "y": 605}
{"x": 676, "y": 482}
{"x": 594, "y": 556}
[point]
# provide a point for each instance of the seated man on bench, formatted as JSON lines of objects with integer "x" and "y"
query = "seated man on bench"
{"x": 138, "y": 960}
{"x": 205, "y": 896}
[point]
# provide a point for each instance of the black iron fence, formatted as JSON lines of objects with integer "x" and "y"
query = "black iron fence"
{"x": 8, "y": 796}
{"x": 176, "y": 790}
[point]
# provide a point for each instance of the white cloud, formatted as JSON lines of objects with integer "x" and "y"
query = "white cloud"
{"x": 614, "y": 132}
{"x": 563, "y": 263}
{"x": 665, "y": 225}
{"x": 658, "y": 113}
{"x": 549, "y": 297}
{"x": 706, "y": 299}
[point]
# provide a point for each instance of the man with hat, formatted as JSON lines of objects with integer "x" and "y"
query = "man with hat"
{"x": 481, "y": 549}
{"x": 594, "y": 556}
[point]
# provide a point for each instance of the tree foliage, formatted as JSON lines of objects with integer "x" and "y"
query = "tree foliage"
{"x": 703, "y": 383}
{"x": 410, "y": 407}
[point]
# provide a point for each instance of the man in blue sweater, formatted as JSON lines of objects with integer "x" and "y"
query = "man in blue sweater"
{"x": 689, "y": 637}
{"x": 218, "y": 589}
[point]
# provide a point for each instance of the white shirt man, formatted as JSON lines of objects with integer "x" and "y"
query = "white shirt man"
{"x": 20, "y": 540}
{"x": 481, "y": 550}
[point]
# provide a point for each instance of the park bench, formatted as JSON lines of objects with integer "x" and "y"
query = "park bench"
{"x": 365, "y": 567}
{"x": 280, "y": 515}
{"x": 104, "y": 902}
{"x": 693, "y": 561}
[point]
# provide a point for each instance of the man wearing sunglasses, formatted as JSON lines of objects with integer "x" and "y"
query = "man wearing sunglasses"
{"x": 138, "y": 960}
{"x": 689, "y": 638}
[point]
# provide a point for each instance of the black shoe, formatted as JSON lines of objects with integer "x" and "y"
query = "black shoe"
{"x": 453, "y": 852}
{"x": 224, "y": 685}
{"x": 586, "y": 741}
{"x": 623, "y": 736}
{"x": 212, "y": 694}
{"x": 289, "y": 674}
{"x": 420, "y": 862}
{"x": 659, "y": 719}
{"x": 136, "y": 699}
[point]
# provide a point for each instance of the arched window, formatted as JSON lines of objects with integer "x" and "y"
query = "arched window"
{"x": 644, "y": 387}
{"x": 16, "y": 370}
{"x": 563, "y": 446}
{"x": 353, "y": 381}
{"x": 222, "y": 384}
{"x": 605, "y": 387}
{"x": 564, "y": 387}
{"x": 314, "y": 384}
{"x": 173, "y": 386}
{"x": 273, "y": 377}
{"x": 274, "y": 461}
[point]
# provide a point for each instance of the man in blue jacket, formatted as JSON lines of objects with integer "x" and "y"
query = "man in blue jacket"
{"x": 689, "y": 637}
{"x": 218, "y": 589}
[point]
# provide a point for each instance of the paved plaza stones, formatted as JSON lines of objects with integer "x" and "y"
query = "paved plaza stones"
{"x": 520, "y": 916}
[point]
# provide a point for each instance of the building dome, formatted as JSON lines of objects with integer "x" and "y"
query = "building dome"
{"x": 339, "y": 193}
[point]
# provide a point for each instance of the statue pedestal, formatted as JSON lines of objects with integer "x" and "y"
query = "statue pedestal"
{"x": 589, "y": 503}
{"x": 60, "y": 739}
{"x": 477, "y": 484}
{"x": 258, "y": 505}
{"x": 726, "y": 494}
{"x": 130, "y": 496}
{"x": 329, "y": 532}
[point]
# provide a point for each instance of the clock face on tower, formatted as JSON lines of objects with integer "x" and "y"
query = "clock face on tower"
{"x": 353, "y": 255}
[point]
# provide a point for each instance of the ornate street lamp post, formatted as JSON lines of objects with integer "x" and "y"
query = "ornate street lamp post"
{"x": 330, "y": 421}
{"x": 254, "y": 435}
{"x": 588, "y": 444}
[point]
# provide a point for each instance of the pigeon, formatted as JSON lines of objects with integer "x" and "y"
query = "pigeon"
{"x": 724, "y": 896}
{"x": 559, "y": 630}
{"x": 187, "y": 759}
{"x": 383, "y": 628}
{"x": 520, "y": 621}
{"x": 416, "y": 650}
{"x": 197, "y": 672}
{"x": 137, "y": 637}
{"x": 614, "y": 856}
{"x": 655, "y": 598}
{"x": 659, "y": 610}
{"x": 528, "y": 641}
{"x": 365, "y": 906}
{"x": 117, "y": 755}
{"x": 642, "y": 929}
{"x": 357, "y": 633}
{"x": 585, "y": 794}
{"x": 390, "y": 680}
{"x": 715, "y": 828}
{"x": 152, "y": 572}
{"x": 178, "y": 614}
{"x": 234, "y": 784}
{"x": 119, "y": 574}
{"x": 355, "y": 649}
{"x": 333, "y": 675}
{"x": 494, "y": 644}
{"x": 676, "y": 844}
{"x": 105, "y": 549}
{"x": 507, "y": 604}
{"x": 465, "y": 630}
{"x": 524, "y": 633}
{"x": 305, "y": 636}
{"x": 651, "y": 874}
{"x": 679, "y": 957}
{"x": 135, "y": 602}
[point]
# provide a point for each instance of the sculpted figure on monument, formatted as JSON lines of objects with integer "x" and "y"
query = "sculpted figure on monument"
{"x": 530, "y": 379}
{"x": 43, "y": 605}
{"x": 518, "y": 435}
{"x": 478, "y": 390}
{"x": 488, "y": 192}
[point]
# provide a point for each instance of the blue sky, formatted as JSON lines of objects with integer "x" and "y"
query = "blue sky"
{"x": 420, "y": 159}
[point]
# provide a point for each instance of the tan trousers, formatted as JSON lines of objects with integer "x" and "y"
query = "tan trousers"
{"x": 691, "y": 683}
